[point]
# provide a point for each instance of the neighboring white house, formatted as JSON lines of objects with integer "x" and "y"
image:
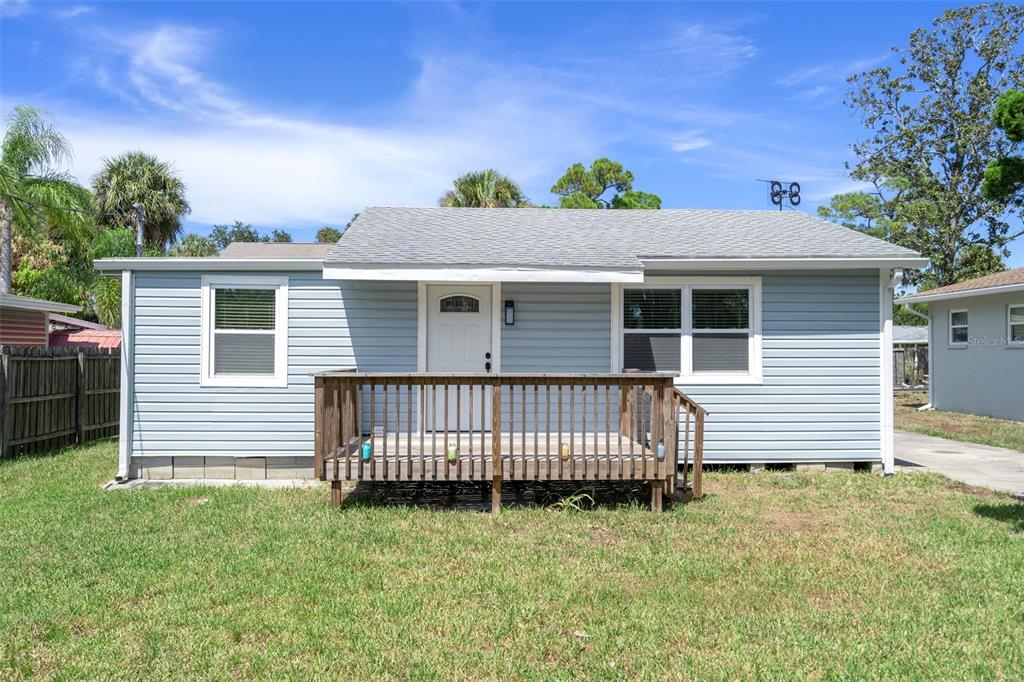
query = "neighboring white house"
{"x": 779, "y": 324}
{"x": 977, "y": 345}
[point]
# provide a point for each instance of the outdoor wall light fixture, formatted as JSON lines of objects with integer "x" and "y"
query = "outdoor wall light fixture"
{"x": 510, "y": 313}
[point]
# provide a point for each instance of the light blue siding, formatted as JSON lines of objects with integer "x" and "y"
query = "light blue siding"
{"x": 558, "y": 328}
{"x": 371, "y": 326}
{"x": 987, "y": 376}
{"x": 820, "y": 397}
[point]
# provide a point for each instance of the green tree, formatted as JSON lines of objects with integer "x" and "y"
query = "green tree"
{"x": 483, "y": 189}
{"x": 136, "y": 177}
{"x": 932, "y": 136}
{"x": 1004, "y": 177}
{"x": 193, "y": 246}
{"x": 580, "y": 187}
{"x": 222, "y": 235}
{"x": 861, "y": 211}
{"x": 35, "y": 195}
{"x": 328, "y": 235}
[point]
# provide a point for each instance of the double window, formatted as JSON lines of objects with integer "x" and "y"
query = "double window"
{"x": 707, "y": 330}
{"x": 244, "y": 331}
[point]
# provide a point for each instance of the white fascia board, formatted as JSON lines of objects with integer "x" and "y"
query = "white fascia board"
{"x": 457, "y": 274}
{"x": 908, "y": 262}
{"x": 925, "y": 298}
{"x": 26, "y": 303}
{"x": 212, "y": 264}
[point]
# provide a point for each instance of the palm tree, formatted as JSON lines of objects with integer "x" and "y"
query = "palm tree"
{"x": 136, "y": 177}
{"x": 33, "y": 190}
{"x": 484, "y": 189}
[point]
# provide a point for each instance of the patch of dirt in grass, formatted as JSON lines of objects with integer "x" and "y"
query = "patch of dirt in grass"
{"x": 973, "y": 490}
{"x": 786, "y": 521}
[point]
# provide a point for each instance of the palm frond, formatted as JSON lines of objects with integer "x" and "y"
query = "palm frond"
{"x": 31, "y": 143}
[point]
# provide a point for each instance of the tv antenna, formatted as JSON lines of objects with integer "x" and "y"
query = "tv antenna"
{"x": 779, "y": 193}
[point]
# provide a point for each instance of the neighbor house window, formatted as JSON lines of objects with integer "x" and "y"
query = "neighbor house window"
{"x": 245, "y": 331}
{"x": 958, "y": 327}
{"x": 1015, "y": 334}
{"x": 706, "y": 329}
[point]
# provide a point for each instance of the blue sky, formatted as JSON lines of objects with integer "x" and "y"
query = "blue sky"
{"x": 296, "y": 115}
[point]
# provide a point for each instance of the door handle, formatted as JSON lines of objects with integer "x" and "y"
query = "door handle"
{"x": 487, "y": 366}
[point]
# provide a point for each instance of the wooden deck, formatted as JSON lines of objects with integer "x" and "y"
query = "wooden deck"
{"x": 507, "y": 427}
{"x": 529, "y": 457}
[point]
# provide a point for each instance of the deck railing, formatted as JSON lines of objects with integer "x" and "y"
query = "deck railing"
{"x": 506, "y": 427}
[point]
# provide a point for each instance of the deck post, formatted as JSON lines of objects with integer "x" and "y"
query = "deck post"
{"x": 698, "y": 456}
{"x": 656, "y": 490}
{"x": 335, "y": 493}
{"x": 496, "y": 468}
{"x": 318, "y": 427}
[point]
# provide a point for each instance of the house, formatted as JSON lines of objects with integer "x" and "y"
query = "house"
{"x": 910, "y": 354}
{"x": 976, "y": 334}
{"x": 451, "y": 325}
{"x": 25, "y": 321}
{"x": 71, "y": 332}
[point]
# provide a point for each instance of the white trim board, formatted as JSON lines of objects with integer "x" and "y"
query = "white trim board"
{"x": 887, "y": 282}
{"x": 211, "y": 264}
{"x": 124, "y": 445}
{"x": 925, "y": 297}
{"x": 482, "y": 275}
{"x": 654, "y": 263}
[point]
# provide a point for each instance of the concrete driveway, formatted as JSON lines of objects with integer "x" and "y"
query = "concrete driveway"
{"x": 996, "y": 468}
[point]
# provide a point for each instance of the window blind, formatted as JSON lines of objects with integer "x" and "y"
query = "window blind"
{"x": 720, "y": 352}
{"x": 652, "y": 308}
{"x": 721, "y": 309}
{"x": 651, "y": 352}
{"x": 244, "y": 334}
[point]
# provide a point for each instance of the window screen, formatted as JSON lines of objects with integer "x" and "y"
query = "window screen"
{"x": 958, "y": 330}
{"x": 244, "y": 331}
{"x": 721, "y": 330}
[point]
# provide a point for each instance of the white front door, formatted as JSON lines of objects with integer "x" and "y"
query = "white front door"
{"x": 458, "y": 341}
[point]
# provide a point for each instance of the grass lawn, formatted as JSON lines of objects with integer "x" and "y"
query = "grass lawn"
{"x": 774, "y": 575}
{"x": 969, "y": 428}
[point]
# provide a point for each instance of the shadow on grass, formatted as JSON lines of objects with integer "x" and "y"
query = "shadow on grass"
{"x": 466, "y": 496}
{"x": 1009, "y": 512}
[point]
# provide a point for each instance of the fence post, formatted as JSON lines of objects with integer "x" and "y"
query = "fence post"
{"x": 80, "y": 404}
{"x": 4, "y": 427}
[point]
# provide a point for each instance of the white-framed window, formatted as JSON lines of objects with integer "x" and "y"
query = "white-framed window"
{"x": 706, "y": 329}
{"x": 1015, "y": 325}
{"x": 244, "y": 340}
{"x": 958, "y": 328}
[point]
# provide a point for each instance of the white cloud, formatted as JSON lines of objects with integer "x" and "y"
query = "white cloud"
{"x": 833, "y": 71}
{"x": 689, "y": 141}
{"x": 74, "y": 11}
{"x": 10, "y": 9}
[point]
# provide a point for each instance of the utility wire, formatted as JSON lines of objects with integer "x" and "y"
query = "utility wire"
{"x": 42, "y": 205}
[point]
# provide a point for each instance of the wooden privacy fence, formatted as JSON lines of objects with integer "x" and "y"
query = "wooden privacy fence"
{"x": 506, "y": 427}
{"x": 53, "y": 397}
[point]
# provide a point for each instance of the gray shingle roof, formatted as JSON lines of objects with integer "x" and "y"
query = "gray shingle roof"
{"x": 580, "y": 238}
{"x": 902, "y": 333}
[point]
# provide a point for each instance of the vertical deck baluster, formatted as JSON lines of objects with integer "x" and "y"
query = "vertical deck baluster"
{"x": 353, "y": 389}
{"x": 560, "y": 462}
{"x": 433, "y": 429}
{"x": 373, "y": 429}
{"x": 384, "y": 429}
{"x": 686, "y": 450}
{"x": 359, "y": 441}
{"x": 511, "y": 431}
{"x": 607, "y": 427}
{"x": 522, "y": 404}
{"x": 536, "y": 430}
{"x": 469, "y": 433}
{"x": 408, "y": 432}
{"x": 631, "y": 428}
{"x": 597, "y": 466}
{"x": 547, "y": 427}
{"x": 444, "y": 443}
{"x": 458, "y": 431}
{"x": 422, "y": 419}
{"x": 583, "y": 429}
{"x": 483, "y": 431}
